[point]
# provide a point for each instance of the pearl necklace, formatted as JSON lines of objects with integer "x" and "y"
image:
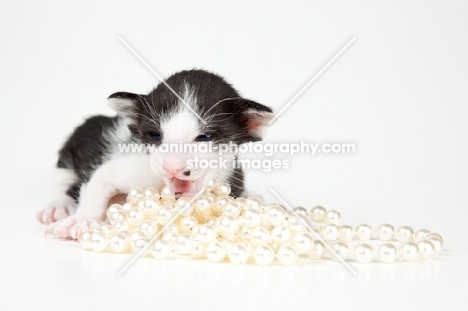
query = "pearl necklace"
{"x": 217, "y": 226}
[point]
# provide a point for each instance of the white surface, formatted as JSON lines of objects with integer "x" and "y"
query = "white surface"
{"x": 399, "y": 93}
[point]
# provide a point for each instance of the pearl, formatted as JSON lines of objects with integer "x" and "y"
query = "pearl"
{"x": 119, "y": 243}
{"x": 238, "y": 254}
{"x": 222, "y": 189}
{"x": 426, "y": 249}
{"x": 182, "y": 204}
{"x": 226, "y": 245}
{"x": 210, "y": 185}
{"x": 259, "y": 236}
{"x": 421, "y": 234}
{"x": 126, "y": 207}
{"x": 165, "y": 215}
{"x": 301, "y": 211}
{"x": 136, "y": 235}
{"x": 166, "y": 192}
{"x": 114, "y": 208}
{"x": 330, "y": 232}
{"x": 169, "y": 236}
{"x": 280, "y": 235}
{"x": 107, "y": 230}
{"x": 134, "y": 195}
{"x": 297, "y": 224}
{"x": 187, "y": 223}
{"x": 275, "y": 215}
{"x": 346, "y": 233}
{"x": 251, "y": 218}
{"x": 317, "y": 251}
{"x": 160, "y": 249}
{"x": 409, "y": 251}
{"x": 149, "y": 228}
{"x": 437, "y": 243}
{"x": 151, "y": 193}
{"x": 252, "y": 203}
{"x": 386, "y": 232}
{"x": 363, "y": 232}
{"x": 220, "y": 202}
{"x": 117, "y": 216}
{"x": 151, "y": 207}
{"x": 214, "y": 252}
{"x": 341, "y": 250}
{"x": 404, "y": 234}
{"x": 244, "y": 233}
{"x": 136, "y": 216}
{"x": 363, "y": 253}
{"x": 198, "y": 250}
{"x": 287, "y": 255}
{"x": 85, "y": 238}
{"x": 332, "y": 217}
{"x": 232, "y": 208}
{"x": 121, "y": 226}
{"x": 435, "y": 235}
{"x": 302, "y": 242}
{"x": 263, "y": 255}
{"x": 205, "y": 233}
{"x": 316, "y": 213}
{"x": 203, "y": 204}
{"x": 97, "y": 241}
{"x": 139, "y": 245}
{"x": 183, "y": 244}
{"x": 388, "y": 253}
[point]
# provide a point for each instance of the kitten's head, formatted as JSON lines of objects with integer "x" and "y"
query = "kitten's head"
{"x": 206, "y": 111}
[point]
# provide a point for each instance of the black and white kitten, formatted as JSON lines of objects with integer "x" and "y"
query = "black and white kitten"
{"x": 92, "y": 169}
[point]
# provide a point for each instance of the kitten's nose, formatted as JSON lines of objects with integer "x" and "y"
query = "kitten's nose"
{"x": 171, "y": 171}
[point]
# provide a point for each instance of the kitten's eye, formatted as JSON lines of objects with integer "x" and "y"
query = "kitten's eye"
{"x": 203, "y": 137}
{"x": 154, "y": 136}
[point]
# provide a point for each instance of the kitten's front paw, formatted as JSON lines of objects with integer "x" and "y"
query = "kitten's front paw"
{"x": 71, "y": 227}
{"x": 54, "y": 213}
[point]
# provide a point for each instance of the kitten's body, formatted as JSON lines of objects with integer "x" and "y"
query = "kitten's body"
{"x": 93, "y": 170}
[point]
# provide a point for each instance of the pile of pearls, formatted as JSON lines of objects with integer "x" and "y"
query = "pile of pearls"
{"x": 218, "y": 227}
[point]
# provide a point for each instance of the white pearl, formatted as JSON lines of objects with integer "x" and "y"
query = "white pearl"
{"x": 409, "y": 251}
{"x": 211, "y": 185}
{"x": 167, "y": 201}
{"x": 187, "y": 223}
{"x": 316, "y": 213}
{"x": 287, "y": 255}
{"x": 113, "y": 209}
{"x": 149, "y": 228}
{"x": 280, "y": 235}
{"x": 437, "y": 243}
{"x": 317, "y": 251}
{"x": 220, "y": 202}
{"x": 160, "y": 249}
{"x": 275, "y": 215}
{"x": 259, "y": 235}
{"x": 126, "y": 207}
{"x": 251, "y": 218}
{"x": 117, "y": 216}
{"x": 238, "y": 254}
{"x": 139, "y": 245}
{"x": 252, "y": 203}
{"x": 426, "y": 249}
{"x": 421, "y": 234}
{"x": 222, "y": 189}
{"x": 205, "y": 234}
{"x": 232, "y": 208}
{"x": 165, "y": 215}
{"x": 151, "y": 193}
{"x": 301, "y": 211}
{"x": 151, "y": 207}
{"x": 106, "y": 229}
{"x": 330, "y": 232}
{"x": 214, "y": 252}
{"x": 166, "y": 192}
{"x": 119, "y": 243}
{"x": 363, "y": 232}
{"x": 263, "y": 255}
{"x": 297, "y": 224}
{"x": 121, "y": 226}
{"x": 202, "y": 204}
{"x": 136, "y": 235}
{"x": 182, "y": 204}
{"x": 346, "y": 233}
{"x": 363, "y": 253}
{"x": 135, "y": 217}
{"x": 183, "y": 244}
{"x": 198, "y": 250}
{"x": 169, "y": 236}
{"x": 85, "y": 238}
{"x": 303, "y": 242}
{"x": 404, "y": 234}
{"x": 332, "y": 217}
{"x": 227, "y": 226}
{"x": 134, "y": 195}
{"x": 226, "y": 245}
{"x": 341, "y": 250}
{"x": 97, "y": 241}
{"x": 244, "y": 233}
{"x": 388, "y": 253}
{"x": 386, "y": 232}
{"x": 435, "y": 235}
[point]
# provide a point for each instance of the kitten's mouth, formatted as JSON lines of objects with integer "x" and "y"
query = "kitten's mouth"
{"x": 183, "y": 187}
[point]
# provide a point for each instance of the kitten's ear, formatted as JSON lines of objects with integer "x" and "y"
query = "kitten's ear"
{"x": 257, "y": 117}
{"x": 126, "y": 105}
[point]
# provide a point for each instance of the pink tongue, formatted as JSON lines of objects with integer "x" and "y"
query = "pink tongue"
{"x": 182, "y": 185}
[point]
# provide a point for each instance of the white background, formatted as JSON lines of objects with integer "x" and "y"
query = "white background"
{"x": 398, "y": 93}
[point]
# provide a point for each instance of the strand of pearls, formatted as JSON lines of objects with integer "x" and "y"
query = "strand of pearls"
{"x": 219, "y": 227}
